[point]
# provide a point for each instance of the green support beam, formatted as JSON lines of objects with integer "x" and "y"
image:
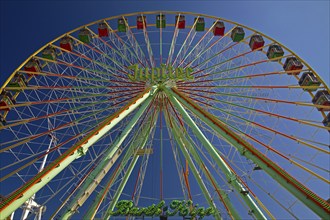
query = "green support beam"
{"x": 318, "y": 205}
{"x": 120, "y": 188}
{"x": 109, "y": 158}
{"x": 182, "y": 144}
{"x": 139, "y": 139}
{"x": 231, "y": 177}
{"x": 189, "y": 147}
{"x": 145, "y": 134}
{"x": 17, "y": 198}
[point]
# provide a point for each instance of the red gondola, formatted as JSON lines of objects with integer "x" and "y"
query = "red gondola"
{"x": 180, "y": 21}
{"x": 103, "y": 30}
{"x": 32, "y": 66}
{"x": 322, "y": 97}
{"x": 6, "y": 99}
{"x": 141, "y": 22}
{"x": 292, "y": 63}
{"x": 256, "y": 42}
{"x": 66, "y": 43}
{"x": 219, "y": 29}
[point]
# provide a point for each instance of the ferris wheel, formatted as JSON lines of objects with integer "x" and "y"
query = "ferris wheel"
{"x": 169, "y": 115}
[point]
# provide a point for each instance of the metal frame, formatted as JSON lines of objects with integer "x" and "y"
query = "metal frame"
{"x": 17, "y": 198}
{"x": 314, "y": 202}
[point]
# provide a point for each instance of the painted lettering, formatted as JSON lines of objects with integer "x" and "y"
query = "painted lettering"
{"x": 159, "y": 74}
{"x": 176, "y": 207}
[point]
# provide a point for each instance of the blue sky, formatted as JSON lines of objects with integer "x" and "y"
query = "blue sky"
{"x": 302, "y": 26}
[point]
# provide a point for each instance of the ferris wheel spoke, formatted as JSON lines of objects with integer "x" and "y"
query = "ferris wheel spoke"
{"x": 73, "y": 100}
{"x": 257, "y": 87}
{"x": 184, "y": 147}
{"x": 121, "y": 45}
{"x": 263, "y": 189}
{"x": 239, "y": 77}
{"x": 89, "y": 168}
{"x": 25, "y": 140}
{"x": 57, "y": 75}
{"x": 81, "y": 61}
{"x": 145, "y": 158}
{"x": 238, "y": 176}
{"x": 149, "y": 48}
{"x": 260, "y": 187}
{"x": 173, "y": 42}
{"x": 187, "y": 146}
{"x": 183, "y": 175}
{"x": 208, "y": 58}
{"x": 209, "y": 48}
{"x": 230, "y": 69}
{"x": 197, "y": 175}
{"x": 250, "y": 190}
{"x": 246, "y": 174}
{"x": 79, "y": 57}
{"x": 236, "y": 184}
{"x": 63, "y": 51}
{"x": 161, "y": 41}
{"x": 105, "y": 55}
{"x": 185, "y": 46}
{"x": 66, "y": 182}
{"x": 320, "y": 205}
{"x": 266, "y": 128}
{"x": 152, "y": 114}
{"x": 274, "y": 199}
{"x": 94, "y": 50}
{"x": 315, "y": 142}
{"x": 62, "y": 112}
{"x": 83, "y": 69}
{"x": 112, "y": 179}
{"x": 143, "y": 167}
{"x": 228, "y": 47}
{"x": 198, "y": 45}
{"x": 286, "y": 157}
{"x": 300, "y": 121}
{"x": 176, "y": 114}
{"x": 91, "y": 212}
{"x": 138, "y": 144}
{"x": 97, "y": 51}
{"x": 310, "y": 164}
{"x": 161, "y": 197}
{"x": 135, "y": 44}
{"x": 65, "y": 157}
{"x": 60, "y": 127}
{"x": 65, "y": 88}
{"x": 38, "y": 156}
{"x": 101, "y": 64}
{"x": 109, "y": 158}
{"x": 83, "y": 179}
{"x": 110, "y": 47}
{"x": 121, "y": 66}
{"x": 298, "y": 103}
